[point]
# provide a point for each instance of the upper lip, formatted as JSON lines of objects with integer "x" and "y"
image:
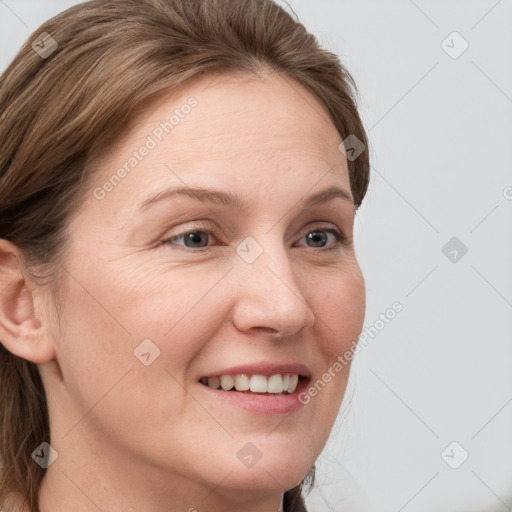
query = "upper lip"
{"x": 263, "y": 368}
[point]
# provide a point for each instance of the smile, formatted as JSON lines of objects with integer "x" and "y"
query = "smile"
{"x": 273, "y": 384}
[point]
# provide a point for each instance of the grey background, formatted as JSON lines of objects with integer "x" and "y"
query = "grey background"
{"x": 441, "y": 151}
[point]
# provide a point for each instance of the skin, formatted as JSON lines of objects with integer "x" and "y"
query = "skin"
{"x": 134, "y": 437}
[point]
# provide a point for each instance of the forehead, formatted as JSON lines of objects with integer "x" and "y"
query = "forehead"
{"x": 229, "y": 130}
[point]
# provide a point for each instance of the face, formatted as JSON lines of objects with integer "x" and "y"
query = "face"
{"x": 161, "y": 296}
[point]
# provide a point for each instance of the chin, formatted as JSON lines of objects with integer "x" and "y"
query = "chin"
{"x": 270, "y": 470}
{"x": 265, "y": 480}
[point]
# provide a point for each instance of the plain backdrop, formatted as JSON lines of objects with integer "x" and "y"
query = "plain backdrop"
{"x": 427, "y": 419}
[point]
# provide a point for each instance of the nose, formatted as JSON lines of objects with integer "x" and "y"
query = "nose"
{"x": 270, "y": 299}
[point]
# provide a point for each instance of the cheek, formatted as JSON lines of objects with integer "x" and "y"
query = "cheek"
{"x": 105, "y": 319}
{"x": 95, "y": 346}
{"x": 340, "y": 308}
{"x": 110, "y": 314}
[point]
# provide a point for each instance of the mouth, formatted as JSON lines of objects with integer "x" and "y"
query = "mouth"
{"x": 256, "y": 384}
{"x": 263, "y": 387}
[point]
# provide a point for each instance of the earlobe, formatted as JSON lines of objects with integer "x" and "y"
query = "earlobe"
{"x": 22, "y": 327}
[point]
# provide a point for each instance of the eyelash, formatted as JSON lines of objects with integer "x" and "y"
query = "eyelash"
{"x": 340, "y": 238}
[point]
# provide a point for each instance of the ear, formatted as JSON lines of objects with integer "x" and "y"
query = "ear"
{"x": 22, "y": 326}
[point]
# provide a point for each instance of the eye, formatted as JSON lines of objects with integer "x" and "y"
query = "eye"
{"x": 319, "y": 238}
{"x": 191, "y": 238}
{"x": 198, "y": 238}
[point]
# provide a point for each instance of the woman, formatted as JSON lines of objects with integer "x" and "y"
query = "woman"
{"x": 178, "y": 185}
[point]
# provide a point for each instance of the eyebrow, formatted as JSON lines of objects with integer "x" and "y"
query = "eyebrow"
{"x": 208, "y": 195}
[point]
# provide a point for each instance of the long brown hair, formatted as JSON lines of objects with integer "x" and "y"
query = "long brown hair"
{"x": 63, "y": 105}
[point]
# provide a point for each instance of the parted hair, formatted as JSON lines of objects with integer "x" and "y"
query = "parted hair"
{"x": 60, "y": 111}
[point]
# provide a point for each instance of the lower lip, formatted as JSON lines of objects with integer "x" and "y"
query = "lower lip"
{"x": 262, "y": 403}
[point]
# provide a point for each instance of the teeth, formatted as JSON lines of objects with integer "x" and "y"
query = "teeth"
{"x": 274, "y": 384}
{"x": 258, "y": 384}
{"x": 242, "y": 382}
{"x": 227, "y": 382}
{"x": 214, "y": 382}
{"x": 294, "y": 379}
